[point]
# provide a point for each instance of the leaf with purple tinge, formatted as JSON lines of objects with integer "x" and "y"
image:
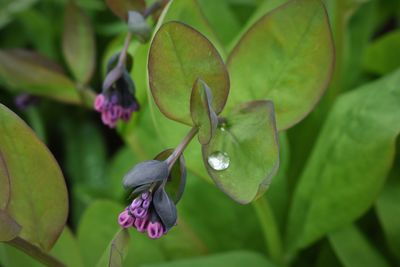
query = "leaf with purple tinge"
{"x": 243, "y": 156}
{"x": 121, "y": 7}
{"x": 178, "y": 56}
{"x": 27, "y": 71}
{"x": 287, "y": 57}
{"x": 202, "y": 113}
{"x": 4, "y": 184}
{"x": 78, "y": 43}
{"x": 31, "y": 168}
{"x": 9, "y": 228}
{"x": 177, "y": 176}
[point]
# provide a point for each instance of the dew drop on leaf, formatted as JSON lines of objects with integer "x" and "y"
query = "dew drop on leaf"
{"x": 219, "y": 161}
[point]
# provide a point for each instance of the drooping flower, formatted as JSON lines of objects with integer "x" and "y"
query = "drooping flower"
{"x": 151, "y": 210}
{"x": 117, "y": 101}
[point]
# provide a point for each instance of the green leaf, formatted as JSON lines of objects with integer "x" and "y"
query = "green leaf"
{"x": 35, "y": 182}
{"x": 10, "y": 8}
{"x": 388, "y": 211}
{"x": 9, "y": 228}
{"x": 177, "y": 177}
{"x": 5, "y": 184}
{"x": 221, "y": 18}
{"x": 228, "y": 259}
{"x": 67, "y": 250}
{"x": 121, "y": 7}
{"x": 287, "y": 57}
{"x": 33, "y": 73}
{"x": 116, "y": 250}
{"x": 97, "y": 227}
{"x": 206, "y": 222}
{"x": 248, "y": 147}
{"x": 78, "y": 43}
{"x": 383, "y": 55}
{"x": 202, "y": 113}
{"x": 190, "y": 13}
{"x": 349, "y": 163}
{"x": 354, "y": 250}
{"x": 178, "y": 56}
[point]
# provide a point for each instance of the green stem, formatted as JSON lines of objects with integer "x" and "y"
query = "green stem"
{"x": 270, "y": 230}
{"x": 181, "y": 147}
{"x": 35, "y": 252}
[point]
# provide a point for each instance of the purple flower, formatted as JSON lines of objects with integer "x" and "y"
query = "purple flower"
{"x": 142, "y": 215}
{"x": 125, "y": 219}
{"x": 117, "y": 101}
{"x": 155, "y": 230}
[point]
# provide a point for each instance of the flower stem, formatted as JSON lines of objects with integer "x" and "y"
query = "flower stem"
{"x": 124, "y": 51}
{"x": 35, "y": 252}
{"x": 270, "y": 230}
{"x": 155, "y": 6}
{"x": 181, "y": 147}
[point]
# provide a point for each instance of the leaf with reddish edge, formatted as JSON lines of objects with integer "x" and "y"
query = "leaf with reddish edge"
{"x": 178, "y": 56}
{"x": 203, "y": 115}
{"x": 121, "y": 7}
{"x": 249, "y": 141}
{"x": 177, "y": 176}
{"x": 9, "y": 228}
{"x": 4, "y": 184}
{"x": 287, "y": 56}
{"x": 38, "y": 195}
{"x": 36, "y": 74}
{"x": 78, "y": 43}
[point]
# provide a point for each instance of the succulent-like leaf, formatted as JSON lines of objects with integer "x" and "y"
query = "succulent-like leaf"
{"x": 121, "y": 7}
{"x": 78, "y": 43}
{"x": 243, "y": 156}
{"x": 202, "y": 113}
{"x": 287, "y": 56}
{"x": 31, "y": 169}
{"x": 178, "y": 56}
{"x": 165, "y": 208}
{"x": 146, "y": 172}
{"x": 34, "y": 73}
{"x": 177, "y": 176}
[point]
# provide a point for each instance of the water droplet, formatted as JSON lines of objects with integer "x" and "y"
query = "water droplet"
{"x": 219, "y": 161}
{"x": 222, "y": 129}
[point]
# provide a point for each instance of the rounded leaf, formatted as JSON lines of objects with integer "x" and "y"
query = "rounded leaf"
{"x": 178, "y": 56}
{"x": 38, "y": 195}
{"x": 287, "y": 56}
{"x": 243, "y": 156}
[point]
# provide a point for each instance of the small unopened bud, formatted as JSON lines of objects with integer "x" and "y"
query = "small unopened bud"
{"x": 125, "y": 219}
